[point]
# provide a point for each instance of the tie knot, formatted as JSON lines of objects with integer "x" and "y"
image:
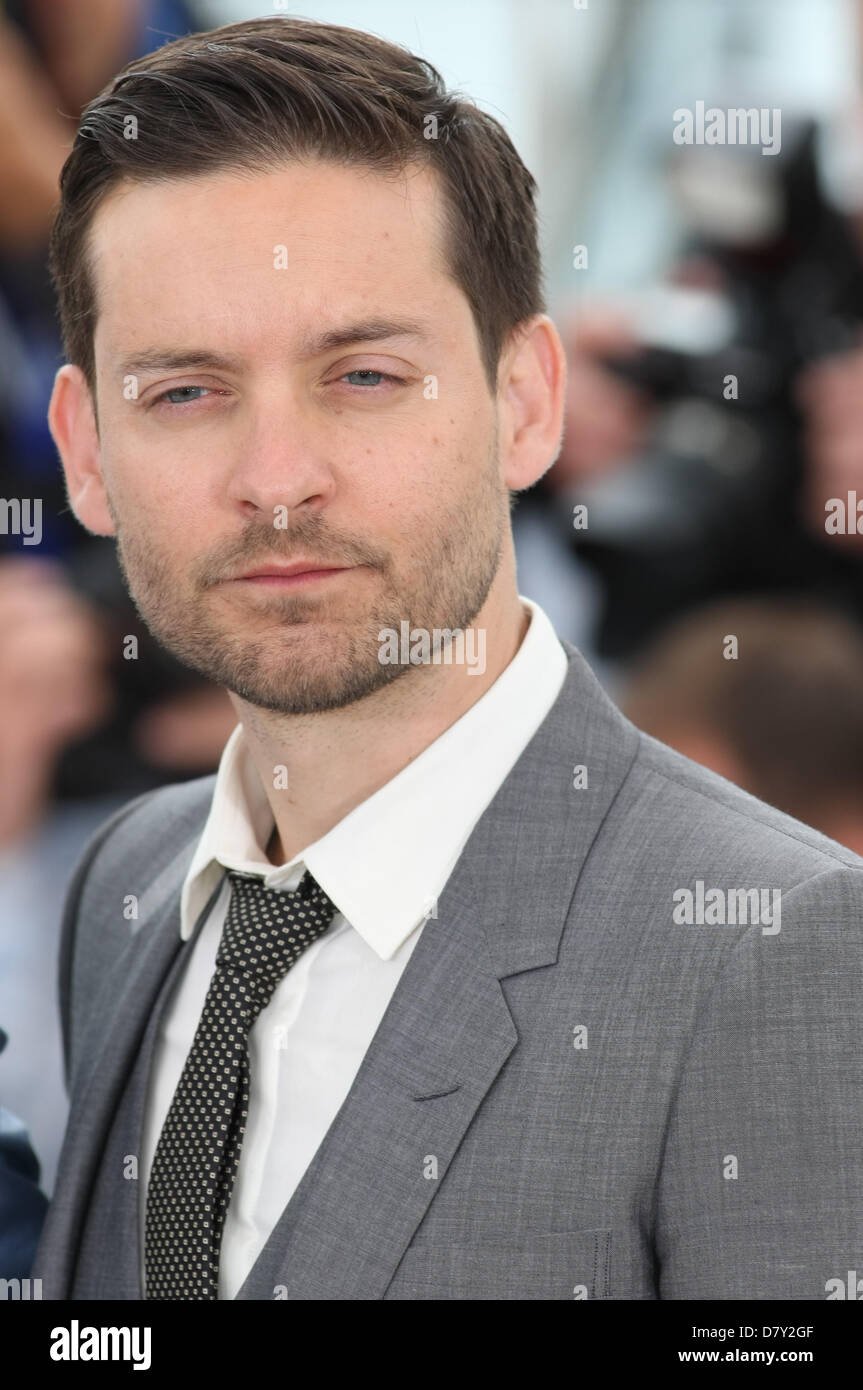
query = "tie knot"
{"x": 267, "y": 929}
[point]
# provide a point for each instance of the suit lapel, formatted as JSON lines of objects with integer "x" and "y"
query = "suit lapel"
{"x": 441, "y": 1043}
{"x": 448, "y": 1029}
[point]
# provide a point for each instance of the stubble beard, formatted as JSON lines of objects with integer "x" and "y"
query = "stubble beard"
{"x": 318, "y": 652}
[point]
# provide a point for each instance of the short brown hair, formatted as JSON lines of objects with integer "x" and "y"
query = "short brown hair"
{"x": 251, "y": 96}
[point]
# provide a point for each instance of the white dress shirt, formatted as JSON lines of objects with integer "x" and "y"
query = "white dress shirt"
{"x": 384, "y": 865}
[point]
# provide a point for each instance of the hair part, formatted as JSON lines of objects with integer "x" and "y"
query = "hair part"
{"x": 256, "y": 95}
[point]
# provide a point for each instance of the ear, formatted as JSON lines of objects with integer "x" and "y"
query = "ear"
{"x": 72, "y": 421}
{"x": 531, "y": 393}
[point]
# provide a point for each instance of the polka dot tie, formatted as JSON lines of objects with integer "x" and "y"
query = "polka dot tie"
{"x": 196, "y": 1158}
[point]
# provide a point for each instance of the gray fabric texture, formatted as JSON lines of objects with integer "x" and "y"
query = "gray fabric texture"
{"x": 571, "y": 1095}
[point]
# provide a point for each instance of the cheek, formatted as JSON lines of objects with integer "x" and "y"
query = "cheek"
{"x": 404, "y": 484}
{"x": 437, "y": 453}
{"x": 154, "y": 489}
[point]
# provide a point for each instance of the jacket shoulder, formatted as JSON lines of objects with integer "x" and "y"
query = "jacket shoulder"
{"x": 141, "y": 838}
{"x": 154, "y": 825}
{"x": 716, "y": 820}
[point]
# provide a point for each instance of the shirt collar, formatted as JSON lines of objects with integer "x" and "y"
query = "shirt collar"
{"x": 386, "y": 862}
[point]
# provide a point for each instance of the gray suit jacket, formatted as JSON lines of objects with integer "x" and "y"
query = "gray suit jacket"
{"x": 571, "y": 1095}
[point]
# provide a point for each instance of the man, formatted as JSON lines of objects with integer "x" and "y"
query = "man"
{"x": 404, "y": 1003}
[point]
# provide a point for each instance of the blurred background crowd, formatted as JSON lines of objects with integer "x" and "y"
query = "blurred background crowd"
{"x": 710, "y": 295}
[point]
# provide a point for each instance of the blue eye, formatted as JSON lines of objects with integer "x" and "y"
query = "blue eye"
{"x": 370, "y": 371}
{"x": 178, "y": 391}
{"x": 366, "y": 379}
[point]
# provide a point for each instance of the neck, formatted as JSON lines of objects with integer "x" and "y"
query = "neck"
{"x": 337, "y": 759}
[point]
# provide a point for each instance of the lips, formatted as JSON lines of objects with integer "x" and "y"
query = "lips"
{"x": 288, "y": 571}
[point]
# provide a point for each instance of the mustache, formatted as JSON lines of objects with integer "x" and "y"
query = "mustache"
{"x": 284, "y": 546}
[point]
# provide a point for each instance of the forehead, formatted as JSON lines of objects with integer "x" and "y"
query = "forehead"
{"x": 237, "y": 253}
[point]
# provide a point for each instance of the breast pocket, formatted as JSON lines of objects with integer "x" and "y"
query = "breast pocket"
{"x": 562, "y": 1265}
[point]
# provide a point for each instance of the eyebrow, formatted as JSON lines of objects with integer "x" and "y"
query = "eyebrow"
{"x": 312, "y": 345}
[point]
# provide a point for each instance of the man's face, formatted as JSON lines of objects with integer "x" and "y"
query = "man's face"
{"x": 279, "y": 447}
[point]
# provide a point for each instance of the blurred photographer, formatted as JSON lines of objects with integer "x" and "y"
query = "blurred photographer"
{"x": 710, "y": 421}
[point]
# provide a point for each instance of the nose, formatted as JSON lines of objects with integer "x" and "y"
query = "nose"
{"x": 282, "y": 463}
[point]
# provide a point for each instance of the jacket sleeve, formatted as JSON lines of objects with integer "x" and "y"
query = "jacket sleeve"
{"x": 760, "y": 1193}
